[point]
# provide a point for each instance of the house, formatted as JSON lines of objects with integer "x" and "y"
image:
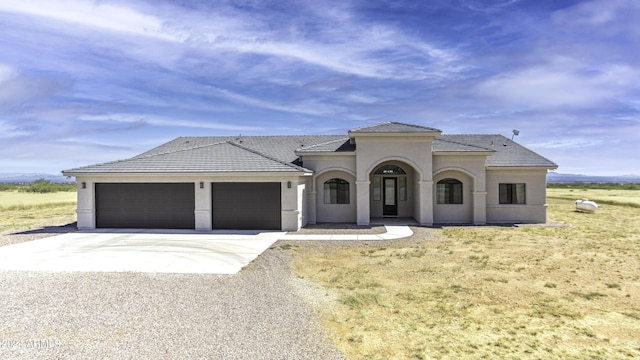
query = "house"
{"x": 284, "y": 182}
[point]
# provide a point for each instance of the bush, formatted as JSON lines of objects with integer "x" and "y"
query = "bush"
{"x": 604, "y": 186}
{"x": 8, "y": 187}
{"x": 44, "y": 186}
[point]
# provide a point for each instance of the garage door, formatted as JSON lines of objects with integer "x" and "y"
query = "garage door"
{"x": 147, "y": 206}
{"x": 246, "y": 206}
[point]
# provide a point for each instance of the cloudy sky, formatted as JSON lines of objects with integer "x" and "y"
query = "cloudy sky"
{"x": 83, "y": 82}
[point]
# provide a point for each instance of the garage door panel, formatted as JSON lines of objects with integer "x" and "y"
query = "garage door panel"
{"x": 246, "y": 206}
{"x": 147, "y": 205}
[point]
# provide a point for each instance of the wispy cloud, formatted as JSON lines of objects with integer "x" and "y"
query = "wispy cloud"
{"x": 567, "y": 83}
{"x": 165, "y": 122}
{"x": 92, "y": 14}
{"x": 78, "y": 75}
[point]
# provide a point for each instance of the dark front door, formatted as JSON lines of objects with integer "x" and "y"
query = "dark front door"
{"x": 390, "y": 196}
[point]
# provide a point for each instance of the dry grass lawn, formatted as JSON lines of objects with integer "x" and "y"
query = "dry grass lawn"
{"x": 22, "y": 211}
{"x": 569, "y": 291}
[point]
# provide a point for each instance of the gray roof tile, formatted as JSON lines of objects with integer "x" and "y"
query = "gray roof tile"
{"x": 393, "y": 127}
{"x": 217, "y": 157}
{"x": 507, "y": 152}
{"x": 337, "y": 145}
{"x": 279, "y": 153}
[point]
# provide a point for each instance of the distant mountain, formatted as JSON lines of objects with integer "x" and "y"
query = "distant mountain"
{"x": 553, "y": 177}
{"x": 25, "y": 178}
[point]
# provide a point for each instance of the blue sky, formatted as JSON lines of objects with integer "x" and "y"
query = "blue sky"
{"x": 83, "y": 82}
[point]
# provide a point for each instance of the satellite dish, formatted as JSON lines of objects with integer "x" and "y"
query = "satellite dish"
{"x": 515, "y": 133}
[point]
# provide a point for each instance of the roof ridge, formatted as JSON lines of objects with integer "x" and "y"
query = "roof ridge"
{"x": 395, "y": 123}
{"x": 178, "y": 150}
{"x": 268, "y": 157}
{"x": 461, "y": 143}
{"x": 367, "y": 126}
{"x": 323, "y": 143}
{"x": 412, "y": 125}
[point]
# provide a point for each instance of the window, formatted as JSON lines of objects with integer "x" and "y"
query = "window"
{"x": 390, "y": 170}
{"x": 449, "y": 191}
{"x": 512, "y": 193}
{"x": 377, "y": 188}
{"x": 403, "y": 188}
{"x": 336, "y": 191}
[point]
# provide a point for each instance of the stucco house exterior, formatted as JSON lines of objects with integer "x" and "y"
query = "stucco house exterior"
{"x": 285, "y": 182}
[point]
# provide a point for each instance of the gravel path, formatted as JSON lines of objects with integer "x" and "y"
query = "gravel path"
{"x": 258, "y": 314}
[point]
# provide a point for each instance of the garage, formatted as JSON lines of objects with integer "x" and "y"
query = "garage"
{"x": 246, "y": 206}
{"x": 145, "y": 205}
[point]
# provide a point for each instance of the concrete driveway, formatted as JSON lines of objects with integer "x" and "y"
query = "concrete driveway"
{"x": 139, "y": 251}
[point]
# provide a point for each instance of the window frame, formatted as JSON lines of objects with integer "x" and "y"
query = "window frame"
{"x": 512, "y": 193}
{"x": 449, "y": 191}
{"x": 337, "y": 192}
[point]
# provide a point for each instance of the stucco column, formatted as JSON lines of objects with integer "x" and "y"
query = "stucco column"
{"x": 203, "y": 205}
{"x": 479, "y": 207}
{"x": 85, "y": 209}
{"x": 362, "y": 198}
{"x": 291, "y": 202}
{"x": 426, "y": 203}
{"x": 311, "y": 207}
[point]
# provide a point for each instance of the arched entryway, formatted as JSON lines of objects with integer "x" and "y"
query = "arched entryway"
{"x": 393, "y": 190}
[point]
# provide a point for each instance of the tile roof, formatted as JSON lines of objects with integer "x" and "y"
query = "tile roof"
{"x": 217, "y": 157}
{"x": 508, "y": 153}
{"x": 278, "y": 147}
{"x": 394, "y": 127}
{"x": 337, "y": 145}
{"x": 281, "y": 153}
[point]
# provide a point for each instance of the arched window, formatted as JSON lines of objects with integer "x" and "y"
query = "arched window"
{"x": 389, "y": 170}
{"x": 336, "y": 191}
{"x": 449, "y": 191}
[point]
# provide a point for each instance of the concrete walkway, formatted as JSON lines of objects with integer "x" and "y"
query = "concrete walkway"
{"x": 156, "y": 251}
{"x": 393, "y": 232}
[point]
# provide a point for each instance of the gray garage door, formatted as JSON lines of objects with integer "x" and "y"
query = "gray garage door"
{"x": 147, "y": 206}
{"x": 246, "y": 206}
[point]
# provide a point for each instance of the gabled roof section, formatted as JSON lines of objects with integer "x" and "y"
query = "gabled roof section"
{"x": 278, "y": 147}
{"x": 342, "y": 145}
{"x": 507, "y": 152}
{"x": 218, "y": 157}
{"x": 394, "y": 127}
{"x": 448, "y": 144}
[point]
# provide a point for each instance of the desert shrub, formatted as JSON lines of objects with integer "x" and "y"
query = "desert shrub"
{"x": 604, "y": 186}
{"x": 45, "y": 186}
{"x": 8, "y": 187}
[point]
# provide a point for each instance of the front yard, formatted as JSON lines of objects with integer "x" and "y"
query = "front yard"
{"x": 571, "y": 290}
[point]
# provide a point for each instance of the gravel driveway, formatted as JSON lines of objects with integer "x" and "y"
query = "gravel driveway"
{"x": 259, "y": 313}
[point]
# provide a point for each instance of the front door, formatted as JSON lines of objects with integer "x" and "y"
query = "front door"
{"x": 390, "y": 195}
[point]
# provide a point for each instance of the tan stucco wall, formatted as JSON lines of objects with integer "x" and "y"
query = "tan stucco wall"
{"x": 335, "y": 212}
{"x": 535, "y": 209}
{"x": 292, "y": 204}
{"x": 413, "y": 151}
{"x": 470, "y": 169}
{"x": 454, "y": 213}
{"x": 322, "y": 163}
